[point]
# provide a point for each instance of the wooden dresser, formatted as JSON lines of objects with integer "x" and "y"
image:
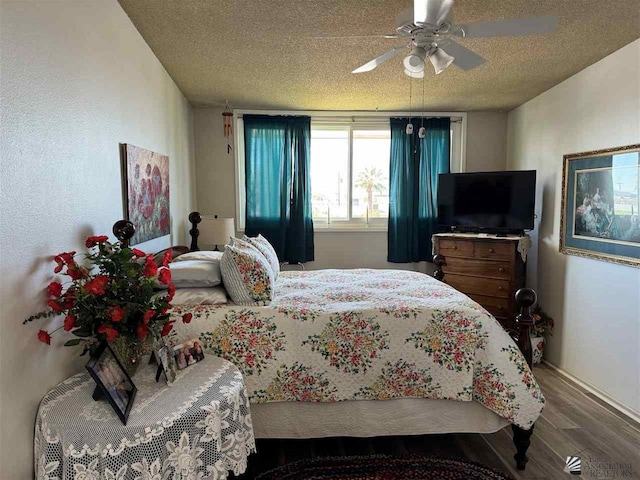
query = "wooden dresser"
{"x": 488, "y": 269}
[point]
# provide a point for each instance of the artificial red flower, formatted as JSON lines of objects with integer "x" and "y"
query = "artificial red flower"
{"x": 110, "y": 332}
{"x": 60, "y": 263}
{"x": 69, "y": 322}
{"x": 44, "y": 337}
{"x": 95, "y": 239}
{"x": 69, "y": 298}
{"x": 67, "y": 257}
{"x": 171, "y": 292}
{"x": 116, "y": 313}
{"x": 186, "y": 318}
{"x": 143, "y": 331}
{"x": 148, "y": 315}
{"x": 55, "y": 306}
{"x": 97, "y": 286}
{"x": 75, "y": 271}
{"x": 138, "y": 253}
{"x": 63, "y": 258}
{"x": 166, "y": 328}
{"x": 150, "y": 268}
{"x": 164, "y": 276}
{"x": 166, "y": 259}
{"x": 54, "y": 289}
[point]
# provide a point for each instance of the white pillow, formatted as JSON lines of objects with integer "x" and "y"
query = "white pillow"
{"x": 195, "y": 273}
{"x": 247, "y": 276}
{"x": 200, "y": 296}
{"x": 266, "y": 249}
{"x": 203, "y": 255}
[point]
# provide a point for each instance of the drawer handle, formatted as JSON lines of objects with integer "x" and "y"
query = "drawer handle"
{"x": 455, "y": 247}
{"x": 491, "y": 250}
{"x": 499, "y": 287}
{"x": 501, "y": 269}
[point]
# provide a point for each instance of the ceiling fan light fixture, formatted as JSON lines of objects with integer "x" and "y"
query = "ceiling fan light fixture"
{"x": 414, "y": 62}
{"x": 411, "y": 74}
{"x": 440, "y": 60}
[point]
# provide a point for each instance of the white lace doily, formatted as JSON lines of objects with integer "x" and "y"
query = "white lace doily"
{"x": 197, "y": 428}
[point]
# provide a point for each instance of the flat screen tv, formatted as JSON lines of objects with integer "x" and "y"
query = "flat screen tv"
{"x": 497, "y": 202}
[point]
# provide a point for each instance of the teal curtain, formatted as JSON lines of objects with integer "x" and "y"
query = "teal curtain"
{"x": 413, "y": 186}
{"x": 278, "y": 187}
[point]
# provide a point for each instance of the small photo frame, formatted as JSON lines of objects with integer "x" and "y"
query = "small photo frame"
{"x": 188, "y": 353}
{"x": 165, "y": 360}
{"x": 113, "y": 381}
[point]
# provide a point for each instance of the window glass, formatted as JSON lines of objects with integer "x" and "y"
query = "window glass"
{"x": 330, "y": 174}
{"x": 370, "y": 196}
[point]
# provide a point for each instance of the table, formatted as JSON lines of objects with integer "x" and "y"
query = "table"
{"x": 197, "y": 428}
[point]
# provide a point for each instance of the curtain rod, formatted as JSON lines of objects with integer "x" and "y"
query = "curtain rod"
{"x": 355, "y": 119}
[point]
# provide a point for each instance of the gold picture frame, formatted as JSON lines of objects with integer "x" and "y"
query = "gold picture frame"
{"x": 600, "y": 211}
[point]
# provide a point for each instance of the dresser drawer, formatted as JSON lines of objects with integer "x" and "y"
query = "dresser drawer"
{"x": 478, "y": 285}
{"x": 455, "y": 248}
{"x": 496, "y": 306}
{"x": 480, "y": 268}
{"x": 493, "y": 250}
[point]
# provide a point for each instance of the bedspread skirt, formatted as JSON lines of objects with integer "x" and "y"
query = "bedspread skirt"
{"x": 333, "y": 335}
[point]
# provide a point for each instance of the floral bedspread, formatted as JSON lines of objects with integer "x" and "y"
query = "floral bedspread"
{"x": 333, "y": 335}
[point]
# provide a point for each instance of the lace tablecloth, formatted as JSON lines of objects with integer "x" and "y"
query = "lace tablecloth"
{"x": 197, "y": 428}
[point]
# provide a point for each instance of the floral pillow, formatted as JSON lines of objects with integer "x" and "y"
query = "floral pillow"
{"x": 247, "y": 276}
{"x": 267, "y": 250}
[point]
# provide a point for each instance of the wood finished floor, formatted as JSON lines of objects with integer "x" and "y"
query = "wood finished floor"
{"x": 573, "y": 421}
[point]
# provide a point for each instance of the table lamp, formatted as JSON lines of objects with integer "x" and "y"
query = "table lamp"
{"x": 216, "y": 231}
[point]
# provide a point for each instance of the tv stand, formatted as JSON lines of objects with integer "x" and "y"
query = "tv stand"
{"x": 486, "y": 267}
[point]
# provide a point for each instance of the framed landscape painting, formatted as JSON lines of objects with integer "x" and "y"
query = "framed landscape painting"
{"x": 600, "y": 216}
{"x": 146, "y": 192}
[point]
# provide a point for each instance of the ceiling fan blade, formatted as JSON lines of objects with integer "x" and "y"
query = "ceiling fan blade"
{"x": 432, "y": 12}
{"x": 513, "y": 27}
{"x": 367, "y": 67}
{"x": 463, "y": 57}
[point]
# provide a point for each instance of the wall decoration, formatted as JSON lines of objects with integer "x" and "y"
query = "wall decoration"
{"x": 146, "y": 192}
{"x": 600, "y": 216}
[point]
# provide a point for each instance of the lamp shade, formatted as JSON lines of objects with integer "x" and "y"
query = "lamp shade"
{"x": 440, "y": 60}
{"x": 216, "y": 231}
{"x": 419, "y": 74}
{"x": 414, "y": 62}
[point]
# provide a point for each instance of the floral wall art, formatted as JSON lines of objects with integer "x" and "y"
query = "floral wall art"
{"x": 146, "y": 187}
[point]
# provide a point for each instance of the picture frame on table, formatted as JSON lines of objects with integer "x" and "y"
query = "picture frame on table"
{"x": 600, "y": 211}
{"x": 166, "y": 362}
{"x": 113, "y": 381}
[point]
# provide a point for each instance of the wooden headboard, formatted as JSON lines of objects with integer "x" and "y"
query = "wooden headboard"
{"x": 124, "y": 230}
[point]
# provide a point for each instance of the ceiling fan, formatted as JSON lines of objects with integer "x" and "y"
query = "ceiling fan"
{"x": 430, "y": 31}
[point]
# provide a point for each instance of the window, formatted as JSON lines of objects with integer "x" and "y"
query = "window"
{"x": 350, "y": 174}
{"x": 349, "y": 165}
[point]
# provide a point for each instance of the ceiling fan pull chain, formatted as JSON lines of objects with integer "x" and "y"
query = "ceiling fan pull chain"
{"x": 409, "y": 128}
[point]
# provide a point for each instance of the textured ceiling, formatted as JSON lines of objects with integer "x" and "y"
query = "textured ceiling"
{"x": 262, "y": 54}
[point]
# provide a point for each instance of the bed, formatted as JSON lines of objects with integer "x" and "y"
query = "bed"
{"x": 370, "y": 353}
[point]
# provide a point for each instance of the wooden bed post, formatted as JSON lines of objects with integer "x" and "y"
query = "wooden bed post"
{"x": 124, "y": 230}
{"x": 439, "y": 261}
{"x": 525, "y": 298}
{"x": 195, "y": 218}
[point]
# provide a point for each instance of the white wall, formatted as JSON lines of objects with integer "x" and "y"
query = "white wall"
{"x": 77, "y": 79}
{"x": 596, "y": 304}
{"x": 216, "y": 187}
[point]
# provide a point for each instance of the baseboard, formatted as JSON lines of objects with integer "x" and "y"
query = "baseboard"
{"x": 629, "y": 412}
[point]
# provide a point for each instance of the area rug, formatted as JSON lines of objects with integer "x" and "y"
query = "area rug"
{"x": 382, "y": 467}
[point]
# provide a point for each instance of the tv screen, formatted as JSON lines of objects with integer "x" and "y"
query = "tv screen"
{"x": 487, "y": 201}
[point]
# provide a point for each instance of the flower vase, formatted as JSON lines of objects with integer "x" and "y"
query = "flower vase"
{"x": 129, "y": 352}
{"x": 537, "y": 346}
